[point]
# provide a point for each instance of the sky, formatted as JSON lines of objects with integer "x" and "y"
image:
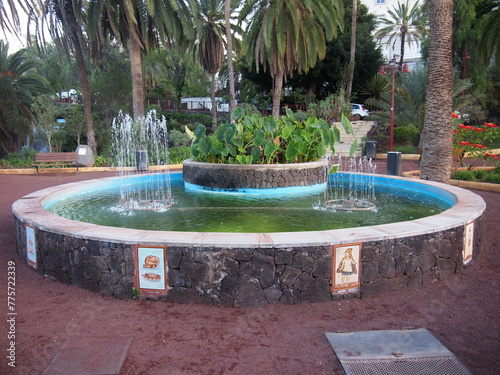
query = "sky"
{"x": 15, "y": 43}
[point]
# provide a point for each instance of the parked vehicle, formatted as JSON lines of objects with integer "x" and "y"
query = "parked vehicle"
{"x": 359, "y": 110}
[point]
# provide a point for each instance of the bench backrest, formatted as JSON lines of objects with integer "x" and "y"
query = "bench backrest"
{"x": 46, "y": 157}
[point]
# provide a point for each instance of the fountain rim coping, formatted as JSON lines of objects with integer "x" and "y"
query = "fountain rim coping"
{"x": 29, "y": 209}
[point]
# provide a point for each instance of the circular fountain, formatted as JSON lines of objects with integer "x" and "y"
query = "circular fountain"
{"x": 249, "y": 268}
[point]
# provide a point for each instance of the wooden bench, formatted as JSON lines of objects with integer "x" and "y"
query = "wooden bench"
{"x": 51, "y": 159}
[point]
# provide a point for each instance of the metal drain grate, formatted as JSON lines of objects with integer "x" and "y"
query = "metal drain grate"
{"x": 394, "y": 352}
{"x": 410, "y": 366}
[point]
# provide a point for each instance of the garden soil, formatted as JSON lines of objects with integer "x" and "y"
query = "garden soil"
{"x": 461, "y": 311}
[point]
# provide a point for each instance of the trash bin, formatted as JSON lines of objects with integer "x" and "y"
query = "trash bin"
{"x": 394, "y": 163}
{"x": 371, "y": 149}
{"x": 141, "y": 158}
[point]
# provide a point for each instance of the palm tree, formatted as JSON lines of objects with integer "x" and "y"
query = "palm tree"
{"x": 19, "y": 84}
{"x": 436, "y": 161}
{"x": 65, "y": 19}
{"x": 489, "y": 42}
{"x": 211, "y": 44}
{"x": 404, "y": 24}
{"x": 353, "y": 49}
{"x": 289, "y": 36}
{"x": 229, "y": 37}
{"x": 139, "y": 25}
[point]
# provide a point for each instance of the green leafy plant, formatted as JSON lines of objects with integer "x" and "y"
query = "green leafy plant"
{"x": 253, "y": 139}
{"x": 478, "y": 175}
{"x": 176, "y": 155}
{"x": 136, "y": 293}
{"x": 22, "y": 159}
{"x": 102, "y": 161}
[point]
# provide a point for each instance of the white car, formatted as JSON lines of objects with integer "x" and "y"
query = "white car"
{"x": 359, "y": 110}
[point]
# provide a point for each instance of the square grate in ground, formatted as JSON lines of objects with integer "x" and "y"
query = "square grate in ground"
{"x": 89, "y": 356}
{"x": 401, "y": 352}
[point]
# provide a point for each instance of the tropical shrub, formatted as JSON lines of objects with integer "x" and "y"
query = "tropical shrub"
{"x": 479, "y": 175}
{"x": 176, "y": 155}
{"x": 22, "y": 159}
{"x": 253, "y": 139}
{"x": 178, "y": 138}
{"x": 102, "y": 161}
{"x": 406, "y": 134}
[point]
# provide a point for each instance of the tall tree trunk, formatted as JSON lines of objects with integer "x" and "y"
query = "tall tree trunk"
{"x": 436, "y": 161}
{"x": 277, "y": 89}
{"x": 229, "y": 37}
{"x": 353, "y": 49}
{"x": 87, "y": 107}
{"x": 402, "y": 51}
{"x": 74, "y": 29}
{"x": 214, "y": 103}
{"x": 137, "y": 81}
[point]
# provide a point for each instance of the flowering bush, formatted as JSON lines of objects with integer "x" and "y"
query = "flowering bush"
{"x": 472, "y": 141}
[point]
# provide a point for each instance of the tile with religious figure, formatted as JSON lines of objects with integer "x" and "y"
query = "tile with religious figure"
{"x": 346, "y": 267}
{"x": 468, "y": 242}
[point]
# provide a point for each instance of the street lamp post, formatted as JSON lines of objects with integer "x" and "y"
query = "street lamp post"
{"x": 393, "y": 65}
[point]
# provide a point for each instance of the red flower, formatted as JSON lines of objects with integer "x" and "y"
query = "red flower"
{"x": 464, "y": 143}
{"x": 478, "y": 146}
{"x": 490, "y": 125}
{"x": 454, "y": 115}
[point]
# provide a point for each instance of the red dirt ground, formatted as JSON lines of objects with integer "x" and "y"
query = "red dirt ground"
{"x": 461, "y": 311}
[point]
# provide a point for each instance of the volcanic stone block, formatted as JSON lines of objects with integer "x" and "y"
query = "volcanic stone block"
{"x": 283, "y": 256}
{"x": 123, "y": 288}
{"x": 187, "y": 266}
{"x": 303, "y": 261}
{"x": 93, "y": 247}
{"x": 249, "y": 293}
{"x": 289, "y": 296}
{"x": 427, "y": 260}
{"x": 228, "y": 285}
{"x": 174, "y": 257}
{"x": 264, "y": 270}
{"x": 369, "y": 272}
{"x": 303, "y": 281}
{"x": 386, "y": 265}
{"x": 446, "y": 267}
{"x": 412, "y": 265}
{"x": 176, "y": 278}
{"x": 322, "y": 268}
{"x": 289, "y": 276}
{"x": 415, "y": 278}
{"x": 273, "y": 294}
{"x": 231, "y": 267}
{"x": 317, "y": 291}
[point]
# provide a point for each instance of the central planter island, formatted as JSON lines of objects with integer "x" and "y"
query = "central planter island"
{"x": 254, "y": 176}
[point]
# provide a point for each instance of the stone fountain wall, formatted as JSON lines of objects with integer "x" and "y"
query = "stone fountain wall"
{"x": 254, "y": 176}
{"x": 250, "y": 276}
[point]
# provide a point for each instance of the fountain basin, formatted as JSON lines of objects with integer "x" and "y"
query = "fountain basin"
{"x": 248, "y": 269}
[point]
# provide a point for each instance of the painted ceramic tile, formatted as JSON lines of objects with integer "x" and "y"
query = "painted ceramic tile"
{"x": 31, "y": 246}
{"x": 468, "y": 242}
{"x": 346, "y": 267}
{"x": 151, "y": 266}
